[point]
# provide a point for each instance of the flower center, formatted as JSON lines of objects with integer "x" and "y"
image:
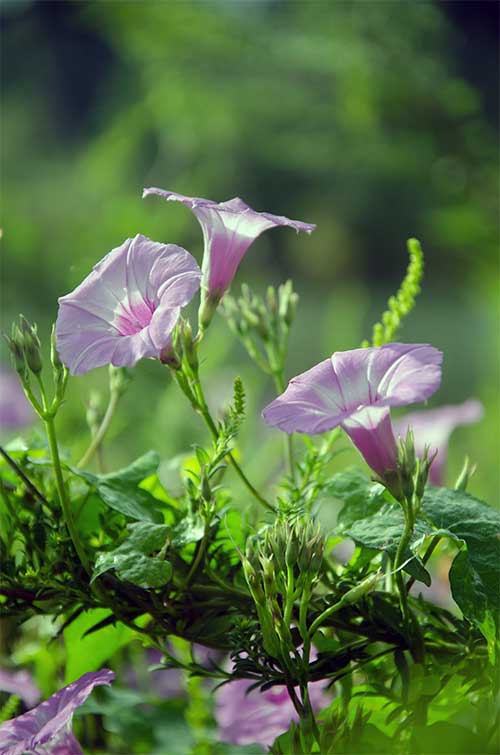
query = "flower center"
{"x": 132, "y": 318}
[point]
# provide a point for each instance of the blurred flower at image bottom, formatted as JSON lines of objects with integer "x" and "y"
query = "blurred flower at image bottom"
{"x": 15, "y": 411}
{"x": 46, "y": 729}
{"x": 257, "y": 717}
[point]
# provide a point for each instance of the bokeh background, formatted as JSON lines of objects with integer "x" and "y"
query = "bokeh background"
{"x": 375, "y": 120}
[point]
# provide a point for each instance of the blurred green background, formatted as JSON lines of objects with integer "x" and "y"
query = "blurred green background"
{"x": 375, "y": 120}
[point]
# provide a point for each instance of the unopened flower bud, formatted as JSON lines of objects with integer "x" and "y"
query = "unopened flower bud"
{"x": 32, "y": 346}
{"x": 465, "y": 475}
{"x": 119, "y": 379}
{"x": 54, "y": 354}
{"x": 207, "y": 308}
{"x": 272, "y": 302}
{"x": 17, "y": 354}
{"x": 187, "y": 343}
{"x": 358, "y": 592}
{"x": 93, "y": 414}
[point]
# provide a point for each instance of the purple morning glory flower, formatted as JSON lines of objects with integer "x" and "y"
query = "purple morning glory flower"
{"x": 15, "y": 410}
{"x": 228, "y": 230}
{"x": 46, "y": 730}
{"x": 434, "y": 427}
{"x": 20, "y": 683}
{"x": 257, "y": 717}
{"x": 126, "y": 309}
{"x": 354, "y": 390}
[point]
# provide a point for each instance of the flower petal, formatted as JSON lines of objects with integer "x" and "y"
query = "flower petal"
{"x": 312, "y": 402}
{"x": 107, "y": 318}
{"x": 371, "y": 432}
{"x": 50, "y": 720}
{"x": 228, "y": 230}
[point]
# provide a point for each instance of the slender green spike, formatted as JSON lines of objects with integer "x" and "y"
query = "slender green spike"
{"x": 400, "y": 305}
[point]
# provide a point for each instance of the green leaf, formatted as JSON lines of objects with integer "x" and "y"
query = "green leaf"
{"x": 467, "y": 519}
{"x": 132, "y": 560}
{"x": 361, "y": 496}
{"x": 189, "y": 530}
{"x": 383, "y": 531}
{"x": 90, "y": 652}
{"x": 136, "y": 472}
{"x": 120, "y": 490}
{"x": 471, "y": 524}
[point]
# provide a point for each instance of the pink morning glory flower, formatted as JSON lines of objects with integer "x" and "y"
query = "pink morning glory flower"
{"x": 228, "y": 230}
{"x": 355, "y": 390}
{"x": 128, "y": 306}
{"x": 253, "y": 717}
{"x": 434, "y": 427}
{"x": 46, "y": 729}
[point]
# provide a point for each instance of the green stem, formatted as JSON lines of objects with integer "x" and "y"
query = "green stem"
{"x": 318, "y": 621}
{"x": 61, "y": 490}
{"x": 199, "y": 555}
{"x": 48, "y": 418}
{"x": 279, "y": 381}
{"x": 289, "y": 600}
{"x": 400, "y": 553}
{"x": 101, "y": 432}
{"x": 197, "y": 399}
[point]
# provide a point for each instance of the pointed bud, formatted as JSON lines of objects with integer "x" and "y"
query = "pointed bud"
{"x": 358, "y": 592}
{"x": 32, "y": 346}
{"x": 119, "y": 379}
{"x": 17, "y": 355}
{"x": 207, "y": 308}
{"x": 54, "y": 354}
{"x": 465, "y": 475}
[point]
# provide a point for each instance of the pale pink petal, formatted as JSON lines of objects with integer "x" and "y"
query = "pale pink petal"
{"x": 46, "y": 728}
{"x": 371, "y": 432}
{"x": 355, "y": 388}
{"x": 228, "y": 230}
{"x": 113, "y": 316}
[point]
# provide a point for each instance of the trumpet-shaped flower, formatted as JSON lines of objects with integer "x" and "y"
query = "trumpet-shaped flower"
{"x": 434, "y": 427}
{"x": 127, "y": 308}
{"x": 46, "y": 729}
{"x": 228, "y": 230}
{"x": 355, "y": 390}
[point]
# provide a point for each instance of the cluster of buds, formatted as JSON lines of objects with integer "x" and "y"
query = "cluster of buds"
{"x": 26, "y": 355}
{"x": 182, "y": 347}
{"x": 280, "y": 566}
{"x": 25, "y": 349}
{"x": 265, "y": 320}
{"x": 408, "y": 480}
